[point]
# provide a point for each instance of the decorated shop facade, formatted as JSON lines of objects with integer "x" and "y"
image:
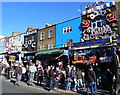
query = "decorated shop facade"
{"x": 98, "y": 44}
{"x": 30, "y": 45}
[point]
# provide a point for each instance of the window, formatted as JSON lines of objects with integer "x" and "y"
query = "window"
{"x": 50, "y": 33}
{"x": 33, "y": 38}
{"x": 42, "y": 47}
{"x": 67, "y": 29}
{"x": 98, "y": 23}
{"x": 42, "y": 34}
{"x": 50, "y": 46}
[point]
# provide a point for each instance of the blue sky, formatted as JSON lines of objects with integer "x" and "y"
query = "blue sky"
{"x": 17, "y": 16}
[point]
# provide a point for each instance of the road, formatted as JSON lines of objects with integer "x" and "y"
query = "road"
{"x": 8, "y": 88}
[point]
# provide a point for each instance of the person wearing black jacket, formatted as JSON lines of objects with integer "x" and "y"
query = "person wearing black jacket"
{"x": 52, "y": 75}
{"x": 90, "y": 79}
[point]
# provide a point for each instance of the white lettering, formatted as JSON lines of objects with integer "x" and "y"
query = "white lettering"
{"x": 97, "y": 33}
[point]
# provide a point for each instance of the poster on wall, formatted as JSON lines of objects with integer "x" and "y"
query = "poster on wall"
{"x": 105, "y": 59}
{"x": 12, "y": 58}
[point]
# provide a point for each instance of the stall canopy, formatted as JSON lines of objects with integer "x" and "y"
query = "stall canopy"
{"x": 50, "y": 51}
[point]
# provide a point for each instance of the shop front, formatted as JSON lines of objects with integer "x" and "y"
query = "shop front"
{"x": 51, "y": 56}
{"x": 101, "y": 54}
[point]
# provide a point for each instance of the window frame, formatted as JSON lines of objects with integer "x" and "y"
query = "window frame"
{"x": 42, "y": 47}
{"x": 50, "y": 35}
{"x": 67, "y": 29}
{"x": 50, "y": 46}
{"x": 42, "y": 36}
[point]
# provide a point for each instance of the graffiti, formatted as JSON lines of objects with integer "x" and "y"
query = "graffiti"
{"x": 97, "y": 33}
{"x": 97, "y": 13}
{"x": 110, "y": 17}
{"x": 86, "y": 23}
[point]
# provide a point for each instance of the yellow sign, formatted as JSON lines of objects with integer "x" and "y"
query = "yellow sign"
{"x": 11, "y": 58}
{"x": 83, "y": 61}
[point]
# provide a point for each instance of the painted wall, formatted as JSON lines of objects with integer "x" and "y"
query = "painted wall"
{"x": 75, "y": 35}
{"x": 2, "y": 45}
{"x": 17, "y": 43}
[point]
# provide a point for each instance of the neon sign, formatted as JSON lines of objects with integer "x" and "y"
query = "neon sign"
{"x": 110, "y": 17}
{"x": 86, "y": 23}
{"x": 96, "y": 33}
{"x": 97, "y": 13}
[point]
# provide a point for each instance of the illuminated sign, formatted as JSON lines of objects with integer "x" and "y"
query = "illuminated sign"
{"x": 96, "y": 33}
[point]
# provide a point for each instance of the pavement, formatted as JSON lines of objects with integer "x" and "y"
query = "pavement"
{"x": 62, "y": 91}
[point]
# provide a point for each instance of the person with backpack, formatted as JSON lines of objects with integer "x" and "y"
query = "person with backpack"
{"x": 90, "y": 78}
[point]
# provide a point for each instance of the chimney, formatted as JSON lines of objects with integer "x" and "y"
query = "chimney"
{"x": 48, "y": 24}
{"x": 15, "y": 33}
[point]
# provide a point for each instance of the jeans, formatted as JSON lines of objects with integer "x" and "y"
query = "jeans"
{"x": 31, "y": 78}
{"x": 75, "y": 80}
{"x": 79, "y": 83}
{"x": 51, "y": 83}
{"x": 93, "y": 88}
{"x": 68, "y": 86}
{"x": 19, "y": 76}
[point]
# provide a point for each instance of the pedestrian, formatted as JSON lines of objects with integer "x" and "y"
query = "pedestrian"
{"x": 68, "y": 79}
{"x": 46, "y": 75}
{"x": 57, "y": 77}
{"x": 79, "y": 79}
{"x": 23, "y": 72}
{"x": 40, "y": 75}
{"x": 74, "y": 77}
{"x": 52, "y": 75}
{"x": 18, "y": 73}
{"x": 0, "y": 68}
{"x": 63, "y": 77}
{"x": 90, "y": 78}
{"x": 109, "y": 76}
{"x": 32, "y": 70}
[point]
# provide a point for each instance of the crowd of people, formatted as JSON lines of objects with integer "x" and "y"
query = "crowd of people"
{"x": 53, "y": 77}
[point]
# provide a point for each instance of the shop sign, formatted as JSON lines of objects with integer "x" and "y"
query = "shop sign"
{"x": 88, "y": 43}
{"x": 105, "y": 59}
{"x": 11, "y": 58}
{"x": 32, "y": 32}
{"x": 92, "y": 59}
{"x": 96, "y": 33}
{"x": 83, "y": 61}
{"x": 97, "y": 13}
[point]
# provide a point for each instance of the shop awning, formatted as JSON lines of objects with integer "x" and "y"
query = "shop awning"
{"x": 50, "y": 51}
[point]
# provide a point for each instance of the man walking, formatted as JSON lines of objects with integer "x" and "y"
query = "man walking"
{"x": 32, "y": 70}
{"x": 18, "y": 73}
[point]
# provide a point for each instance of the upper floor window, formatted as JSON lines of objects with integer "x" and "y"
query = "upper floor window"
{"x": 42, "y": 34}
{"x": 33, "y": 38}
{"x": 50, "y": 46}
{"x": 50, "y": 33}
{"x": 42, "y": 47}
{"x": 98, "y": 23}
{"x": 67, "y": 29}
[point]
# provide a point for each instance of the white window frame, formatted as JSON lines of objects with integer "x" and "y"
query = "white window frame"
{"x": 50, "y": 46}
{"x": 96, "y": 23}
{"x": 42, "y": 36}
{"x": 67, "y": 29}
{"x": 50, "y": 35}
{"x": 42, "y": 47}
